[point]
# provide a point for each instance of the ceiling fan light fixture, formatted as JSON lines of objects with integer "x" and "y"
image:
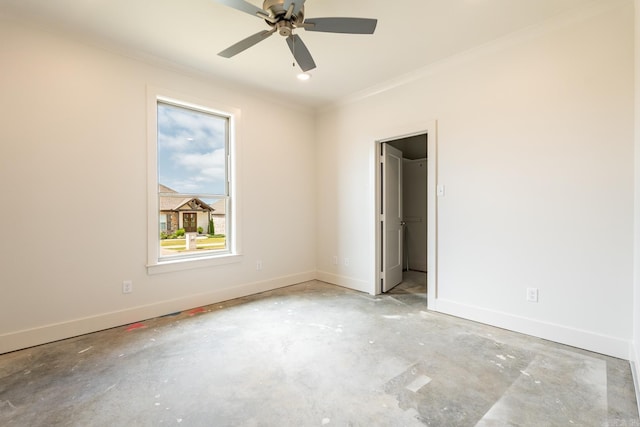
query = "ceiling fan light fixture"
{"x": 303, "y": 76}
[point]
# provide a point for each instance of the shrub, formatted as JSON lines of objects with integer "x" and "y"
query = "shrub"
{"x": 212, "y": 227}
{"x": 180, "y": 232}
{"x": 164, "y": 235}
{"x": 200, "y": 230}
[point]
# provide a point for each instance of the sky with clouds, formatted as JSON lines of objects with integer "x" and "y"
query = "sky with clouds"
{"x": 191, "y": 150}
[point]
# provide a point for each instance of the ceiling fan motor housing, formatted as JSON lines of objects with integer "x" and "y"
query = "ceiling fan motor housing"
{"x": 276, "y": 10}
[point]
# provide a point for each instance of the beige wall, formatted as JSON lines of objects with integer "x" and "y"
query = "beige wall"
{"x": 635, "y": 350}
{"x": 535, "y": 137}
{"x": 535, "y": 149}
{"x": 73, "y": 159}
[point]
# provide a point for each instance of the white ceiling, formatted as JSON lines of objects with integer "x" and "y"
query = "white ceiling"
{"x": 411, "y": 34}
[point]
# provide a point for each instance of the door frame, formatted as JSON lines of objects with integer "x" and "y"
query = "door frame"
{"x": 429, "y": 128}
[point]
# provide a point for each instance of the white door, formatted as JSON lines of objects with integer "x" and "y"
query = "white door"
{"x": 392, "y": 226}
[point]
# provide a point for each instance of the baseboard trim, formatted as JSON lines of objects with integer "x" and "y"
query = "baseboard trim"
{"x": 345, "y": 282}
{"x": 418, "y": 267}
{"x": 41, "y": 335}
{"x": 599, "y": 343}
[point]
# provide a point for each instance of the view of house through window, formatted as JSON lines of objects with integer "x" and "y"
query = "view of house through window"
{"x": 193, "y": 184}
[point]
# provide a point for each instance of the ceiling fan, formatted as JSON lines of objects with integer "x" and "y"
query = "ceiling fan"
{"x": 285, "y": 16}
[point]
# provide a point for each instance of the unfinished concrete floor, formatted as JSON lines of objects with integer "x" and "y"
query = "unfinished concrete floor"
{"x": 311, "y": 355}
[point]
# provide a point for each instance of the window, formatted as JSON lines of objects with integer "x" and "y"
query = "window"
{"x": 192, "y": 186}
{"x": 163, "y": 222}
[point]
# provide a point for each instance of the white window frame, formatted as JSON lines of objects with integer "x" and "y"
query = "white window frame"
{"x": 156, "y": 264}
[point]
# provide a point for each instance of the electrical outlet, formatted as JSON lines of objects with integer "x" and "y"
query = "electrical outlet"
{"x": 346, "y": 262}
{"x": 127, "y": 286}
{"x": 532, "y": 294}
{"x": 259, "y": 265}
{"x": 335, "y": 260}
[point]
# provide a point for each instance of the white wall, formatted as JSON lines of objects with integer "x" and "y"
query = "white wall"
{"x": 73, "y": 170}
{"x": 414, "y": 201}
{"x": 535, "y": 148}
{"x": 535, "y": 138}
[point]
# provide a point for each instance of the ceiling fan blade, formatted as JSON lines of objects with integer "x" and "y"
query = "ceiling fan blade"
{"x": 246, "y": 43}
{"x": 246, "y": 7}
{"x": 341, "y": 25}
{"x": 300, "y": 53}
{"x": 298, "y": 5}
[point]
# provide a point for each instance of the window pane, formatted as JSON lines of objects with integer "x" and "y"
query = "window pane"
{"x": 192, "y": 150}
{"x": 192, "y": 162}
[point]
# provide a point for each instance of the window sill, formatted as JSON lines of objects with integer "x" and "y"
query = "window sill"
{"x": 191, "y": 263}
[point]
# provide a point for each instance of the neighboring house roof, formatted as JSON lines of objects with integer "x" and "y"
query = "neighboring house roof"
{"x": 219, "y": 207}
{"x": 180, "y": 203}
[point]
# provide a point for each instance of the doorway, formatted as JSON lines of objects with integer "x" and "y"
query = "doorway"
{"x": 404, "y": 210}
{"x": 406, "y": 214}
